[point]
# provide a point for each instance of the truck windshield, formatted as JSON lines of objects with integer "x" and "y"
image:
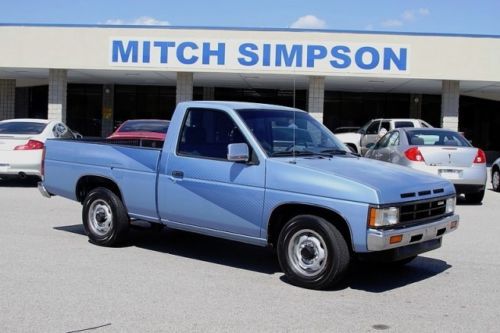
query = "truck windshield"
{"x": 285, "y": 133}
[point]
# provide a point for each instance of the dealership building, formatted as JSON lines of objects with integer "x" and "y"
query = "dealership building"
{"x": 93, "y": 77}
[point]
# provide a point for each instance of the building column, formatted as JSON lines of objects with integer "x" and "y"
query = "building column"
{"x": 316, "y": 97}
{"x": 449, "y": 104}
{"x": 208, "y": 93}
{"x": 108, "y": 101}
{"x": 58, "y": 82}
{"x": 184, "y": 91}
{"x": 7, "y": 99}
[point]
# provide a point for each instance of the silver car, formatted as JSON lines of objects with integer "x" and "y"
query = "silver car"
{"x": 438, "y": 151}
{"x": 495, "y": 175}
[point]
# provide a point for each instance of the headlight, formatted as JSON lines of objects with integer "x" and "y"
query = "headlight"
{"x": 450, "y": 205}
{"x": 380, "y": 217}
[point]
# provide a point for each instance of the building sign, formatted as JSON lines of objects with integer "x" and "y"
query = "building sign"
{"x": 274, "y": 56}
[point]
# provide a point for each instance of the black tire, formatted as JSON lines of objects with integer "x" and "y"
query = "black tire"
{"x": 495, "y": 180}
{"x": 105, "y": 218}
{"x": 475, "y": 197}
{"x": 324, "y": 255}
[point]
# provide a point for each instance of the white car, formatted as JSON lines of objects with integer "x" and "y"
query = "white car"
{"x": 373, "y": 130}
{"x": 22, "y": 142}
{"x": 495, "y": 175}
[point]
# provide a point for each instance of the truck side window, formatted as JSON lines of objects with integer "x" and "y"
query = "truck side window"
{"x": 206, "y": 133}
{"x": 373, "y": 128}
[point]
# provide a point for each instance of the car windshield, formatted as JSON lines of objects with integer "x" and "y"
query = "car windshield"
{"x": 436, "y": 138}
{"x": 158, "y": 126}
{"x": 21, "y": 127}
{"x": 285, "y": 133}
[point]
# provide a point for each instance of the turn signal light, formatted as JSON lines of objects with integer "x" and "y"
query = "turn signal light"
{"x": 395, "y": 239}
{"x": 480, "y": 156}
{"x": 414, "y": 154}
{"x": 31, "y": 145}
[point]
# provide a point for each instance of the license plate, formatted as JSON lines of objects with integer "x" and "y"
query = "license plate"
{"x": 450, "y": 173}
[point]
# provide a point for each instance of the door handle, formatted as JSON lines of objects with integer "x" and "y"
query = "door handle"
{"x": 177, "y": 174}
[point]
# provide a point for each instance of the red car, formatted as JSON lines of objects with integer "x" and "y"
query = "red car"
{"x": 148, "y": 129}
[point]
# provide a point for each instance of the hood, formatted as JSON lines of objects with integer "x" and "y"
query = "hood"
{"x": 354, "y": 179}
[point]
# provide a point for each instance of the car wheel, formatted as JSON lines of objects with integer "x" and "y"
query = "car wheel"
{"x": 104, "y": 217}
{"x": 495, "y": 180}
{"x": 475, "y": 197}
{"x": 312, "y": 252}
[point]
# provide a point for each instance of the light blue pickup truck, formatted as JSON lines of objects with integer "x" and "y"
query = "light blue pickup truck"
{"x": 260, "y": 174}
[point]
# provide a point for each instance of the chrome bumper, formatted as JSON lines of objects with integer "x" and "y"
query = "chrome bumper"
{"x": 43, "y": 190}
{"x": 379, "y": 240}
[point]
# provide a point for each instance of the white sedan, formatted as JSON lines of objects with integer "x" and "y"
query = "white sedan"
{"x": 22, "y": 142}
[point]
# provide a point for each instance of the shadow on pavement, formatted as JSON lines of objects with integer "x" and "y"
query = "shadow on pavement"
{"x": 18, "y": 182}
{"x": 198, "y": 247}
{"x": 362, "y": 276}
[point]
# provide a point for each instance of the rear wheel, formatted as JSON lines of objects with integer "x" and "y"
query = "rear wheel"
{"x": 475, "y": 197}
{"x": 495, "y": 180}
{"x": 312, "y": 252}
{"x": 104, "y": 217}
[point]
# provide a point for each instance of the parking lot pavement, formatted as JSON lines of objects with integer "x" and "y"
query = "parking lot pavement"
{"x": 53, "y": 280}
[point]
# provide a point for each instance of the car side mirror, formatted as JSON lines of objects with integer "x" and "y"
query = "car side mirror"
{"x": 370, "y": 145}
{"x": 238, "y": 152}
{"x": 361, "y": 131}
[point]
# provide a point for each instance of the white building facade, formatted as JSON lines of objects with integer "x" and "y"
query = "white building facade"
{"x": 93, "y": 76}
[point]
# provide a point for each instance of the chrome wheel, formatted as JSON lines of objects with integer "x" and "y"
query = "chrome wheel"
{"x": 496, "y": 180}
{"x": 307, "y": 253}
{"x": 100, "y": 217}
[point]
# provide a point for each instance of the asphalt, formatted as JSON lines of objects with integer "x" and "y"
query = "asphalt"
{"x": 53, "y": 280}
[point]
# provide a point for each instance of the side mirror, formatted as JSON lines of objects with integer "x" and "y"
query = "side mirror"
{"x": 361, "y": 131}
{"x": 238, "y": 152}
{"x": 370, "y": 145}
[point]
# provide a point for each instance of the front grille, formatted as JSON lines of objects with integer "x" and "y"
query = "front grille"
{"x": 419, "y": 211}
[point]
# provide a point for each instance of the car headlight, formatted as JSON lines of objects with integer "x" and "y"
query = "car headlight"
{"x": 381, "y": 217}
{"x": 450, "y": 205}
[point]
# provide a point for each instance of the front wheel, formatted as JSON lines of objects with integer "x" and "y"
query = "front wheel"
{"x": 104, "y": 217}
{"x": 312, "y": 252}
{"x": 495, "y": 180}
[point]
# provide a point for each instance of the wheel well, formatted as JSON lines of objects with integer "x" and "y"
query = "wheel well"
{"x": 284, "y": 213}
{"x": 88, "y": 183}
{"x": 495, "y": 167}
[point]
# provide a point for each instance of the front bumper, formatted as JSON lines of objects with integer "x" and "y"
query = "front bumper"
{"x": 379, "y": 240}
{"x": 43, "y": 190}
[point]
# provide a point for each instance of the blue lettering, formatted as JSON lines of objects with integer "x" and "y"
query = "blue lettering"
{"x": 390, "y": 56}
{"x": 220, "y": 53}
{"x": 249, "y": 58}
{"x": 340, "y": 53}
{"x": 315, "y": 52}
{"x": 295, "y": 55}
{"x": 125, "y": 54}
{"x": 181, "y": 53}
{"x": 164, "y": 50}
{"x": 146, "y": 47}
{"x": 375, "y": 58}
{"x": 266, "y": 55}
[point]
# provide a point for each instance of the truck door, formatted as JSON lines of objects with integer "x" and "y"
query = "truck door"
{"x": 199, "y": 187}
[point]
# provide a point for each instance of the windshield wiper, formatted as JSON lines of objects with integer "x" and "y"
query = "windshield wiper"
{"x": 338, "y": 152}
{"x": 297, "y": 153}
